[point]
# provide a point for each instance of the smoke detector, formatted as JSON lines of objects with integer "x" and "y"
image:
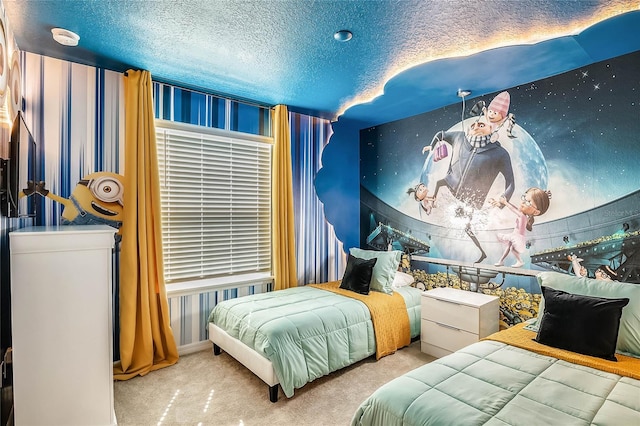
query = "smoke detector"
{"x": 343, "y": 35}
{"x": 65, "y": 37}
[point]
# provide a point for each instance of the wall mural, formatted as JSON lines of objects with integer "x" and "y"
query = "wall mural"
{"x": 488, "y": 192}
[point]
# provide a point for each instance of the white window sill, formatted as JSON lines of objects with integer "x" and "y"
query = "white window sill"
{"x": 186, "y": 288}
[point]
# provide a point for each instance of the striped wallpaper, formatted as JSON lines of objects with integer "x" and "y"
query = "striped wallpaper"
{"x": 189, "y": 313}
{"x": 76, "y": 115}
{"x": 319, "y": 254}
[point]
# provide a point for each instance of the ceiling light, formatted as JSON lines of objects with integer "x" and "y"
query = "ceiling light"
{"x": 65, "y": 37}
{"x": 463, "y": 93}
{"x": 343, "y": 35}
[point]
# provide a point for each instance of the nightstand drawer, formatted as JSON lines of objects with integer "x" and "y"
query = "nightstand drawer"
{"x": 445, "y": 336}
{"x": 450, "y": 313}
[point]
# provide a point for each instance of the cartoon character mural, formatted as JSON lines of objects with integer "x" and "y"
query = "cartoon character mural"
{"x": 421, "y": 195}
{"x": 475, "y": 164}
{"x": 97, "y": 199}
{"x": 576, "y": 135}
{"x": 602, "y": 272}
{"x": 534, "y": 202}
{"x": 497, "y": 113}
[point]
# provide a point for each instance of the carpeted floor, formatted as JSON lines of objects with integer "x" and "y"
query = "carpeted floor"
{"x": 203, "y": 389}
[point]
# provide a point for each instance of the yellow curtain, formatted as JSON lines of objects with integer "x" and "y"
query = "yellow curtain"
{"x": 284, "y": 246}
{"x": 146, "y": 339}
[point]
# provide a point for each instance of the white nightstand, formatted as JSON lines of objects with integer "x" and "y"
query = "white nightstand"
{"x": 453, "y": 319}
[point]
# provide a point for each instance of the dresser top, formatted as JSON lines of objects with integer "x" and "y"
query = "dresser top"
{"x": 65, "y": 228}
{"x": 44, "y": 239}
{"x": 462, "y": 297}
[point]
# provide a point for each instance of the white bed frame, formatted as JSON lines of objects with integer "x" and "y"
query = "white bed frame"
{"x": 254, "y": 361}
{"x": 258, "y": 364}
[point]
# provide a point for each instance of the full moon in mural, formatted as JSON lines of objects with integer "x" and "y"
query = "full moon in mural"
{"x": 529, "y": 169}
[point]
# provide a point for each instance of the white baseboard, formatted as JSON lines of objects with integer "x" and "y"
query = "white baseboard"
{"x": 195, "y": 347}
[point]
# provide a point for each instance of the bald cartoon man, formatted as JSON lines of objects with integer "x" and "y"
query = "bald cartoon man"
{"x": 476, "y": 162}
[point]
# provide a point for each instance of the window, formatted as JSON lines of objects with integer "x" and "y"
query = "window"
{"x": 216, "y": 203}
{"x": 174, "y": 103}
{"x": 249, "y": 118}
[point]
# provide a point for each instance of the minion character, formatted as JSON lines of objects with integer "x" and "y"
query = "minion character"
{"x": 96, "y": 200}
{"x": 30, "y": 189}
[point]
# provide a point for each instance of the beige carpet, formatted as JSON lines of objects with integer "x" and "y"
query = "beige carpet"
{"x": 204, "y": 389}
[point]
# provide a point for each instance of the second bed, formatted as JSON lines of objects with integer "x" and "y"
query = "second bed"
{"x": 291, "y": 337}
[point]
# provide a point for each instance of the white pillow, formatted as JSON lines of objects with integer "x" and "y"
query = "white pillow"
{"x": 402, "y": 279}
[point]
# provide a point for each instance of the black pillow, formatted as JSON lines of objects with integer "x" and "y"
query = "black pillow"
{"x": 583, "y": 324}
{"x": 357, "y": 275}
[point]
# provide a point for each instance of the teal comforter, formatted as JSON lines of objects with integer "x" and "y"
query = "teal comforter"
{"x": 306, "y": 332}
{"x": 492, "y": 383}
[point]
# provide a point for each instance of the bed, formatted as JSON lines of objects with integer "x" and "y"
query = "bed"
{"x": 526, "y": 375}
{"x": 291, "y": 337}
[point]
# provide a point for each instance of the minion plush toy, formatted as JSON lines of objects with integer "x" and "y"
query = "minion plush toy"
{"x": 96, "y": 200}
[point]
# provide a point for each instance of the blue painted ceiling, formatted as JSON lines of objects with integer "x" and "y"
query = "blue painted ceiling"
{"x": 283, "y": 51}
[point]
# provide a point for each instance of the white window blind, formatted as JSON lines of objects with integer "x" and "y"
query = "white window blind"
{"x": 216, "y": 202}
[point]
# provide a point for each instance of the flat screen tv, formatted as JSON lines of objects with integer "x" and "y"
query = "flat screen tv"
{"x": 19, "y": 172}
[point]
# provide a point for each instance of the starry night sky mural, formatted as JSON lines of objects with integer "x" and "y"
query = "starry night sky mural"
{"x": 577, "y": 135}
{"x": 574, "y": 135}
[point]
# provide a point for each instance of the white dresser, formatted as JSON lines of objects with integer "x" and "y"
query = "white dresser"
{"x": 61, "y": 325}
{"x": 453, "y": 319}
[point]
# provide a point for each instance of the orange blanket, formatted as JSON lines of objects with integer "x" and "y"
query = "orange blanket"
{"x": 388, "y": 314}
{"x": 521, "y": 338}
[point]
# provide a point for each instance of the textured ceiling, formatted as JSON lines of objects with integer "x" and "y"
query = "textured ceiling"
{"x": 273, "y": 52}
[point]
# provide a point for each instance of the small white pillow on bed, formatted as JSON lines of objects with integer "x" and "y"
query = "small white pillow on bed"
{"x": 402, "y": 279}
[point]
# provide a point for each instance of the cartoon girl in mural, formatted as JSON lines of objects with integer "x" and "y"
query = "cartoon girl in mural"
{"x": 96, "y": 200}
{"x": 421, "y": 195}
{"x": 534, "y": 202}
